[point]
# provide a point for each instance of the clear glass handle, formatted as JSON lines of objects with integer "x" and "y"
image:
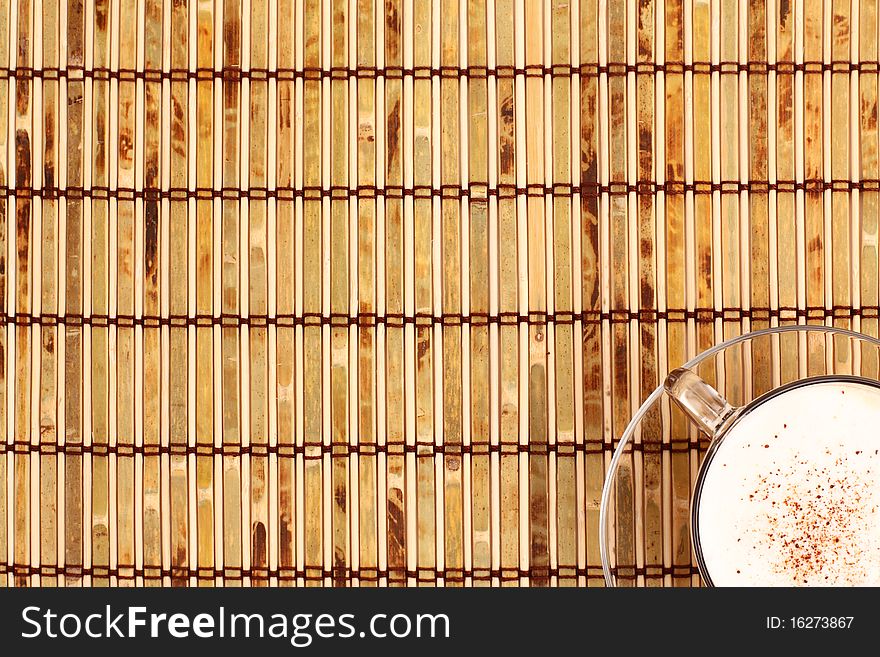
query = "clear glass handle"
{"x": 702, "y": 403}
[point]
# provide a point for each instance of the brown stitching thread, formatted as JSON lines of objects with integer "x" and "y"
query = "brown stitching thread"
{"x": 397, "y": 320}
{"x": 612, "y": 69}
{"x": 312, "y": 451}
{"x": 308, "y": 573}
{"x": 475, "y": 191}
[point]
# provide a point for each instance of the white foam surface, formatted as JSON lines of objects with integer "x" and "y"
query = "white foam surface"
{"x": 791, "y": 496}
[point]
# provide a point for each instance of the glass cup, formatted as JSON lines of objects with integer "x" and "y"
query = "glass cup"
{"x": 649, "y": 533}
{"x": 716, "y": 417}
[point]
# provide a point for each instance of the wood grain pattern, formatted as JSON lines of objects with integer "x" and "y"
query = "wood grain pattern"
{"x": 364, "y": 292}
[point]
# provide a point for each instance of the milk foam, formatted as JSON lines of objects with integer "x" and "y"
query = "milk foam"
{"x": 792, "y": 493}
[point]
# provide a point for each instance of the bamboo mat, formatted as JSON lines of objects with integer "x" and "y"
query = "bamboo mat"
{"x": 304, "y": 292}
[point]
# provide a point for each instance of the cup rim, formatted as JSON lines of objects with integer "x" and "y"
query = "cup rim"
{"x": 658, "y": 392}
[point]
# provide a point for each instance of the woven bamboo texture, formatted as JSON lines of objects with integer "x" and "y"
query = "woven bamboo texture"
{"x": 304, "y": 292}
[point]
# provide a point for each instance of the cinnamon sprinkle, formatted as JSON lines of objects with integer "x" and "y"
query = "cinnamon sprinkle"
{"x": 814, "y": 528}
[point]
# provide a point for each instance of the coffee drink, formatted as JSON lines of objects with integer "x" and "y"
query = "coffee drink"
{"x": 790, "y": 494}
